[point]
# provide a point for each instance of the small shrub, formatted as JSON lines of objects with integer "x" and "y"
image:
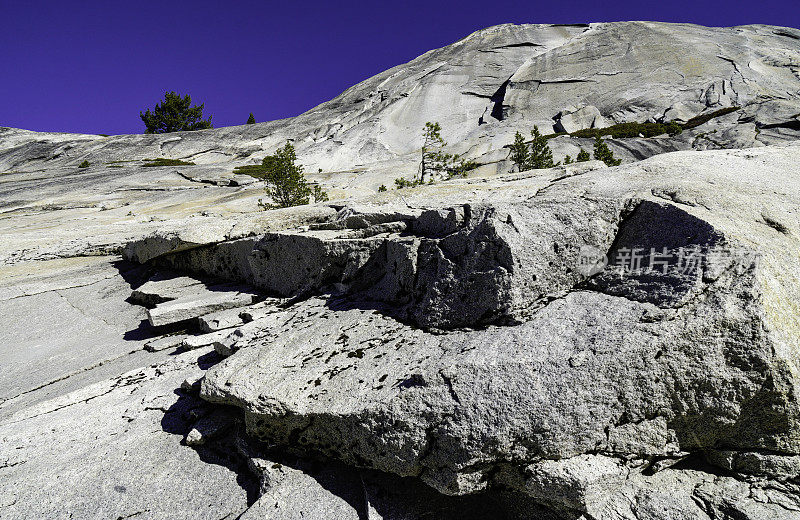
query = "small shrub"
{"x": 583, "y": 156}
{"x": 318, "y": 194}
{"x": 254, "y": 170}
{"x": 84, "y": 164}
{"x": 161, "y": 161}
{"x": 603, "y": 153}
{"x": 251, "y": 120}
{"x": 401, "y": 183}
{"x": 461, "y": 168}
{"x": 381, "y": 188}
{"x": 567, "y": 160}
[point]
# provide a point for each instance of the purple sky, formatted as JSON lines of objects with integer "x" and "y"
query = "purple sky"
{"x": 89, "y": 66}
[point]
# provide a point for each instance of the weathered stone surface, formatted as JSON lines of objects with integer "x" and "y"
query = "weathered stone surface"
{"x": 215, "y": 298}
{"x": 165, "y": 287}
{"x": 164, "y": 343}
{"x": 204, "y": 340}
{"x": 113, "y": 450}
{"x": 585, "y": 117}
{"x": 63, "y": 318}
{"x": 210, "y": 427}
{"x": 500, "y": 346}
{"x": 220, "y": 320}
{"x": 638, "y": 362}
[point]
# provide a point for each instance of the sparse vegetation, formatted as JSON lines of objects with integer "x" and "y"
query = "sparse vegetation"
{"x": 567, "y": 160}
{"x": 251, "y": 120}
{"x": 318, "y": 194}
{"x": 541, "y": 156}
{"x": 174, "y": 114}
{"x": 254, "y": 170}
{"x": 704, "y": 118}
{"x": 381, "y": 188}
{"x": 161, "y": 161}
{"x": 402, "y": 182}
{"x": 583, "y": 156}
{"x": 286, "y": 184}
{"x": 603, "y": 153}
{"x": 435, "y": 162}
{"x": 533, "y": 156}
{"x": 84, "y": 164}
{"x": 623, "y": 130}
{"x": 519, "y": 152}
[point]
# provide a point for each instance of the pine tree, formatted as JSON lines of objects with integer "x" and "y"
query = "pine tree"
{"x": 519, "y": 152}
{"x": 435, "y": 161}
{"x": 174, "y": 114}
{"x": 540, "y": 155}
{"x": 251, "y": 120}
{"x": 603, "y": 153}
{"x": 567, "y": 160}
{"x": 286, "y": 184}
{"x": 583, "y": 156}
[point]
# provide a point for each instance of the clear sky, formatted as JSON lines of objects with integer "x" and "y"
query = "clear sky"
{"x": 90, "y": 66}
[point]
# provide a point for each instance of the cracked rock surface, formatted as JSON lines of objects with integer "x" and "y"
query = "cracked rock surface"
{"x": 576, "y": 343}
{"x": 629, "y": 367}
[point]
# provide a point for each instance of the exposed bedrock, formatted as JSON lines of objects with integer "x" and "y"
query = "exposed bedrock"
{"x": 570, "y": 342}
{"x": 586, "y": 373}
{"x": 464, "y": 265}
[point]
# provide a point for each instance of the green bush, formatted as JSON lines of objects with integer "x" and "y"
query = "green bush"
{"x": 401, "y": 183}
{"x": 84, "y": 164}
{"x": 583, "y": 156}
{"x": 255, "y": 170}
{"x": 704, "y": 118}
{"x": 174, "y": 114}
{"x": 567, "y": 160}
{"x": 381, "y": 188}
{"x": 251, "y": 120}
{"x": 623, "y": 130}
{"x": 603, "y": 153}
{"x": 318, "y": 194}
{"x": 286, "y": 184}
{"x": 161, "y": 161}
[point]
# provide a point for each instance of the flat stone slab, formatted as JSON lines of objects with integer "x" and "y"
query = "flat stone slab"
{"x": 221, "y": 320}
{"x": 164, "y": 343}
{"x": 204, "y": 340}
{"x": 194, "y": 306}
{"x": 156, "y": 291}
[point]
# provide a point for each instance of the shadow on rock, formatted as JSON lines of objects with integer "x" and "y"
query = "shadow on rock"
{"x": 190, "y": 413}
